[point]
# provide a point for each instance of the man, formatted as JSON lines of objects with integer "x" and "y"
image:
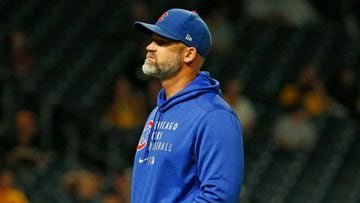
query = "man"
{"x": 191, "y": 147}
{"x": 8, "y": 194}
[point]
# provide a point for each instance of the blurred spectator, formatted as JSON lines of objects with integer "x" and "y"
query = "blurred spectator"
{"x": 23, "y": 148}
{"x": 343, "y": 89}
{"x": 152, "y": 89}
{"x": 294, "y": 132}
{"x": 121, "y": 185}
{"x": 82, "y": 186}
{"x": 8, "y": 194}
{"x": 140, "y": 10}
{"x": 232, "y": 9}
{"x": 110, "y": 198}
{"x": 242, "y": 106}
{"x": 307, "y": 90}
{"x": 127, "y": 108}
{"x": 222, "y": 31}
{"x": 344, "y": 12}
{"x": 289, "y": 12}
{"x": 22, "y": 60}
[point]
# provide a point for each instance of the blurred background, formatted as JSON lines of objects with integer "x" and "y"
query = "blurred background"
{"x": 73, "y": 99}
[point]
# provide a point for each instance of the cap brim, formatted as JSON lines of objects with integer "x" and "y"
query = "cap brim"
{"x": 150, "y": 28}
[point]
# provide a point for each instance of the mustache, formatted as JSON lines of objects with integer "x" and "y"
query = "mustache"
{"x": 152, "y": 55}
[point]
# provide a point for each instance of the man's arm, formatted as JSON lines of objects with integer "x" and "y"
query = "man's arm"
{"x": 220, "y": 157}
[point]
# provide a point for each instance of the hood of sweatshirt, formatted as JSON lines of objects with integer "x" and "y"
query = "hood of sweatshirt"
{"x": 200, "y": 85}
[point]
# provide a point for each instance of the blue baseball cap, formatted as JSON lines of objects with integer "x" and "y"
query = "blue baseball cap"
{"x": 181, "y": 25}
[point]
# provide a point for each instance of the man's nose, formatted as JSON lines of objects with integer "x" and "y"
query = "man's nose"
{"x": 151, "y": 46}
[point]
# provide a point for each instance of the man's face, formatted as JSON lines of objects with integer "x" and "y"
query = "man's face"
{"x": 163, "y": 58}
{"x": 6, "y": 178}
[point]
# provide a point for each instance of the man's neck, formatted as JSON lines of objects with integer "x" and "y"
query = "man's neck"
{"x": 176, "y": 84}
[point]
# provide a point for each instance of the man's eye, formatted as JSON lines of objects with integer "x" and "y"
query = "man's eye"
{"x": 162, "y": 42}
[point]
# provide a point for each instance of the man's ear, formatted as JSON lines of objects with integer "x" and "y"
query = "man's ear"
{"x": 190, "y": 54}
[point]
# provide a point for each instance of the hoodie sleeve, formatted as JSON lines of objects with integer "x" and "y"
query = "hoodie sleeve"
{"x": 220, "y": 158}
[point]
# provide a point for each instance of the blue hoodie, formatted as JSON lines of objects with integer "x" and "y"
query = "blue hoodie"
{"x": 190, "y": 149}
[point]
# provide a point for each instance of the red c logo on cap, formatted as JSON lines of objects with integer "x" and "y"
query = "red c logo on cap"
{"x": 161, "y": 18}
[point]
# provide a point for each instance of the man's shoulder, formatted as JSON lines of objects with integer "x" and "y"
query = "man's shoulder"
{"x": 212, "y": 102}
{"x": 15, "y": 194}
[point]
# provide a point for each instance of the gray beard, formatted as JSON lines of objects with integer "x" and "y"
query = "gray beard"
{"x": 162, "y": 71}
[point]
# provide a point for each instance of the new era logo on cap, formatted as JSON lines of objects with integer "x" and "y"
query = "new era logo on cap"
{"x": 188, "y": 37}
{"x": 181, "y": 25}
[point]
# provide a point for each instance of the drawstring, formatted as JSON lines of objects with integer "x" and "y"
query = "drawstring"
{"x": 152, "y": 129}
